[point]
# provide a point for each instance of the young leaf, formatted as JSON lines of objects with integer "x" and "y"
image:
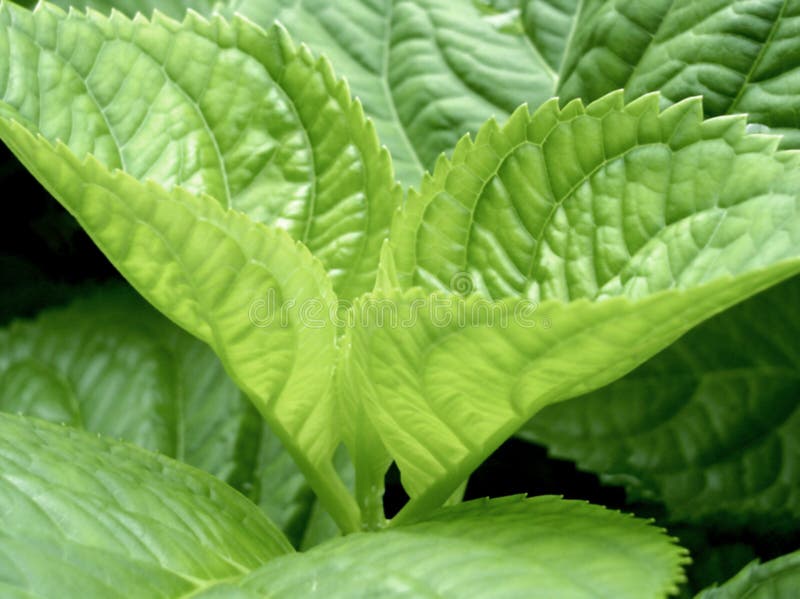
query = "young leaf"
{"x": 708, "y": 427}
{"x": 619, "y": 227}
{"x": 235, "y": 297}
{"x": 742, "y": 56}
{"x": 511, "y": 547}
{"x": 215, "y": 107}
{"x": 86, "y": 516}
{"x": 778, "y": 579}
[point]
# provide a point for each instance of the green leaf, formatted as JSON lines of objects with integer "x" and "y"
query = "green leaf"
{"x": 111, "y": 364}
{"x": 511, "y": 547}
{"x": 86, "y": 516}
{"x": 599, "y": 201}
{"x": 550, "y": 25}
{"x": 172, "y": 8}
{"x": 742, "y": 56}
{"x": 215, "y": 107}
{"x": 778, "y": 579}
{"x": 708, "y": 426}
{"x": 235, "y": 298}
{"x": 605, "y": 232}
{"x": 426, "y": 72}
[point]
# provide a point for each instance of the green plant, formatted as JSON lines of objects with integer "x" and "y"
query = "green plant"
{"x": 231, "y": 178}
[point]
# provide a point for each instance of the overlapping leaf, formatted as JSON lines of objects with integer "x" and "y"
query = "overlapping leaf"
{"x": 742, "y": 56}
{"x": 85, "y": 516}
{"x": 426, "y": 71}
{"x": 709, "y": 426}
{"x": 215, "y": 107}
{"x": 225, "y": 279}
{"x": 111, "y": 364}
{"x": 512, "y": 547}
{"x": 626, "y": 225}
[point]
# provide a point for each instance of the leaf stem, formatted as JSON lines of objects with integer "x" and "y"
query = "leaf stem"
{"x": 323, "y": 479}
{"x": 369, "y": 493}
{"x": 333, "y": 494}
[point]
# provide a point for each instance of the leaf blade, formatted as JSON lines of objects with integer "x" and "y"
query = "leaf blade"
{"x": 718, "y": 405}
{"x": 741, "y": 57}
{"x": 233, "y": 300}
{"x": 505, "y": 547}
{"x": 425, "y": 73}
{"x": 118, "y": 505}
{"x": 596, "y": 241}
{"x": 217, "y": 107}
{"x": 777, "y": 579}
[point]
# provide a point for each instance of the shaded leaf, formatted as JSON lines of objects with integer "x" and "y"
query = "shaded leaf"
{"x": 550, "y": 25}
{"x": 111, "y": 364}
{"x": 778, "y": 579}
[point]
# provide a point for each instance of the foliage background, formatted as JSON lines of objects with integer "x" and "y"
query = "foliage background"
{"x": 47, "y": 261}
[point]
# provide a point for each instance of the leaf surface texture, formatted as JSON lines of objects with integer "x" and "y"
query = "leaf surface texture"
{"x": 511, "y": 547}
{"x": 709, "y": 426}
{"x": 612, "y": 229}
{"x": 86, "y": 515}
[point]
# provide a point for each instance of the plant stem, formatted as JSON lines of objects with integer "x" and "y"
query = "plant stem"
{"x": 370, "y": 500}
{"x": 323, "y": 479}
{"x": 333, "y": 494}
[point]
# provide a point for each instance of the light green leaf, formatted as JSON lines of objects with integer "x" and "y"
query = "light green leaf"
{"x": 600, "y": 201}
{"x": 550, "y": 25}
{"x": 172, "y": 8}
{"x": 709, "y": 426}
{"x": 86, "y": 516}
{"x": 512, "y": 547}
{"x": 232, "y": 297}
{"x": 215, "y": 107}
{"x": 426, "y": 71}
{"x": 778, "y": 579}
{"x": 742, "y": 56}
{"x": 606, "y": 232}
